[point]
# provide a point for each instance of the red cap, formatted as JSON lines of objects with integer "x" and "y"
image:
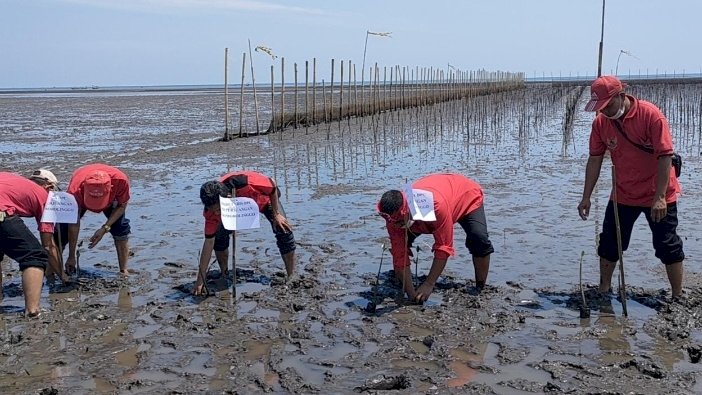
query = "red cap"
{"x": 602, "y": 91}
{"x": 96, "y": 191}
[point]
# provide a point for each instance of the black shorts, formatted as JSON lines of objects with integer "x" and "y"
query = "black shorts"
{"x": 666, "y": 242}
{"x": 120, "y": 230}
{"x": 284, "y": 240}
{"x": 477, "y": 236}
{"x": 18, "y": 243}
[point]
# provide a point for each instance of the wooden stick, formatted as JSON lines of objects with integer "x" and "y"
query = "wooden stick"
{"x": 272, "y": 101}
{"x": 253, "y": 84}
{"x": 241, "y": 98}
{"x": 307, "y": 93}
{"x": 341, "y": 89}
{"x": 622, "y": 289}
{"x": 234, "y": 256}
{"x": 297, "y": 120}
{"x": 331, "y": 93}
{"x": 226, "y": 100}
{"x": 282, "y": 94}
{"x": 314, "y": 90}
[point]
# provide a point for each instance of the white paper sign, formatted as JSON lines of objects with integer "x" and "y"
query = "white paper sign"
{"x": 239, "y": 213}
{"x": 61, "y": 207}
{"x": 421, "y": 203}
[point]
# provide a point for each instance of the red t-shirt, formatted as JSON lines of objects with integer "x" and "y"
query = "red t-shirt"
{"x": 248, "y": 184}
{"x": 23, "y": 197}
{"x": 455, "y": 196}
{"x": 120, "y": 183}
{"x": 636, "y": 170}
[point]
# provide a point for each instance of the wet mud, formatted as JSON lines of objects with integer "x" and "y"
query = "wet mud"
{"x": 522, "y": 334}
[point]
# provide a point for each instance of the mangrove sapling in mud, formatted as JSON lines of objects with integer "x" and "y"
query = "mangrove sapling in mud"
{"x": 371, "y": 306}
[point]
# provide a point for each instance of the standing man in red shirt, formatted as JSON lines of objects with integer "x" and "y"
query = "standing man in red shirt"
{"x": 266, "y": 194}
{"x": 637, "y": 135}
{"x": 457, "y": 199}
{"x": 101, "y": 188}
{"x": 20, "y": 197}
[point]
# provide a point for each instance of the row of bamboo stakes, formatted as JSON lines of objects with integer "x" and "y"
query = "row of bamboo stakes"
{"x": 393, "y": 88}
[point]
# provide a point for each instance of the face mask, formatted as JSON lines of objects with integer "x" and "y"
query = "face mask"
{"x": 619, "y": 113}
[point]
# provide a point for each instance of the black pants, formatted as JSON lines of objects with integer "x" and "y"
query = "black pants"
{"x": 477, "y": 236}
{"x": 18, "y": 242}
{"x": 284, "y": 240}
{"x": 666, "y": 242}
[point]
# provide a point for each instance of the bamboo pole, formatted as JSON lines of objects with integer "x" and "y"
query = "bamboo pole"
{"x": 622, "y": 288}
{"x": 282, "y": 94}
{"x": 241, "y": 99}
{"x": 355, "y": 92}
{"x": 331, "y": 93}
{"x": 385, "y": 87}
{"x": 233, "y": 258}
{"x": 273, "y": 100}
{"x": 253, "y": 84}
{"x": 297, "y": 120}
{"x": 226, "y": 109}
{"x": 348, "y": 99}
{"x": 307, "y": 93}
{"x": 324, "y": 100}
{"x": 314, "y": 90}
{"x": 341, "y": 89}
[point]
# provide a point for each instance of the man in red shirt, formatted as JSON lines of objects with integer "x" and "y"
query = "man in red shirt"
{"x": 101, "y": 188}
{"x": 20, "y": 197}
{"x": 646, "y": 181}
{"x": 265, "y": 193}
{"x": 457, "y": 199}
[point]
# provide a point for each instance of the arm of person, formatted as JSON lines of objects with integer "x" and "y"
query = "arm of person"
{"x": 404, "y": 275}
{"x": 427, "y": 287}
{"x": 592, "y": 174}
{"x": 116, "y": 214}
{"x": 47, "y": 241}
{"x": 205, "y": 256}
{"x": 660, "y": 207}
{"x": 280, "y": 221}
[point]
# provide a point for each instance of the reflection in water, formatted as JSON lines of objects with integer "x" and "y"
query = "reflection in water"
{"x": 613, "y": 343}
{"x": 124, "y": 299}
{"x": 463, "y": 362}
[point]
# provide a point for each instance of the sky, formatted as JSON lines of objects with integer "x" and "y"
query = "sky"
{"x": 73, "y": 43}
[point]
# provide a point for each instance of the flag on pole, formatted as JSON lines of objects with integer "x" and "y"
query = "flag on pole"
{"x": 382, "y": 34}
{"x": 266, "y": 50}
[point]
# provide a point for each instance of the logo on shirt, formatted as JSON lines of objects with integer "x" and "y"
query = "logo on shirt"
{"x": 612, "y": 143}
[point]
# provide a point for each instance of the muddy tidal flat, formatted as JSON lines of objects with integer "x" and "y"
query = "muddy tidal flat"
{"x": 145, "y": 333}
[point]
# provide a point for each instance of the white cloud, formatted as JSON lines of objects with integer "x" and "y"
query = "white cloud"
{"x": 175, "y": 5}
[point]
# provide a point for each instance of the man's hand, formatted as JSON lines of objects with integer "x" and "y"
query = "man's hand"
{"x": 659, "y": 209}
{"x": 70, "y": 265}
{"x": 199, "y": 289}
{"x": 423, "y": 292}
{"x": 97, "y": 236}
{"x": 584, "y": 208}
{"x": 282, "y": 223}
